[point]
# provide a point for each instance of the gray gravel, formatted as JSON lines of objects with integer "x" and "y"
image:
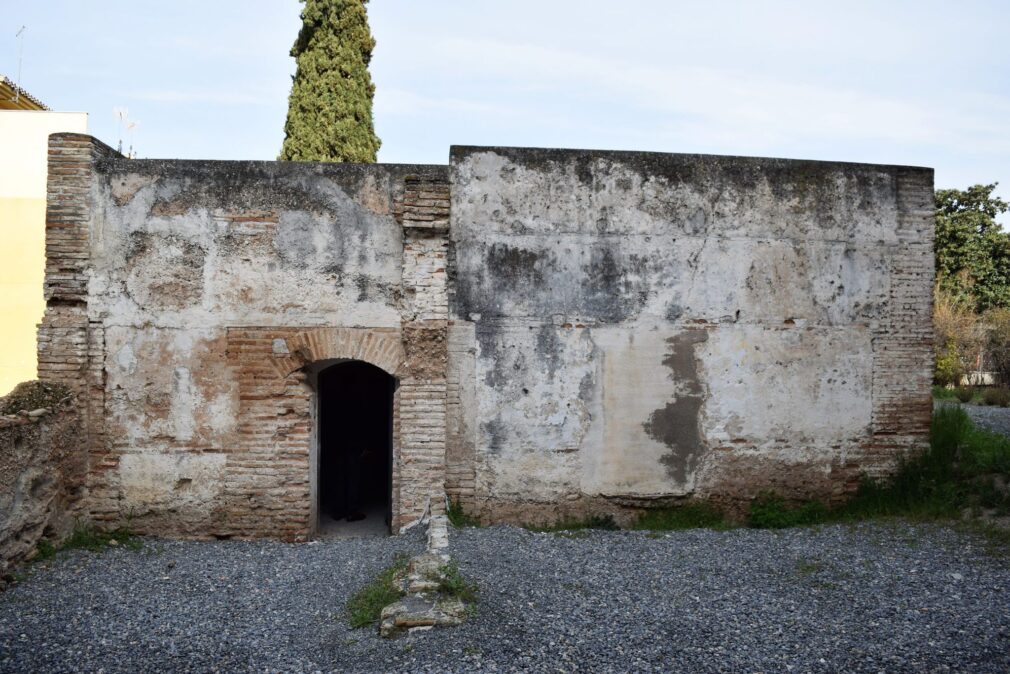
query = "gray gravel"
{"x": 996, "y": 419}
{"x": 866, "y": 598}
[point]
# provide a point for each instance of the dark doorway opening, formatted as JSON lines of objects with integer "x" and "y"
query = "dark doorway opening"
{"x": 355, "y": 417}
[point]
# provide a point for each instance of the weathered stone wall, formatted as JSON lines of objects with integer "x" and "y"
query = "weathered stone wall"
{"x": 201, "y": 291}
{"x": 637, "y": 328}
{"x": 43, "y": 461}
{"x": 580, "y": 332}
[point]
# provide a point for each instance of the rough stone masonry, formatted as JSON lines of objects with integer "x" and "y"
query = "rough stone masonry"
{"x": 570, "y": 332}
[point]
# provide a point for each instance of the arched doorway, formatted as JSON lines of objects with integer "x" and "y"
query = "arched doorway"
{"x": 355, "y": 449}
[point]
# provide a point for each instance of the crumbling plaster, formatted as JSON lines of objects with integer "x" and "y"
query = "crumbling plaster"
{"x": 643, "y": 322}
{"x": 572, "y": 332}
{"x": 183, "y": 252}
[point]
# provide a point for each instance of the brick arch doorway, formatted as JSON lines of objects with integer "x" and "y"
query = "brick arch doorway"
{"x": 353, "y": 445}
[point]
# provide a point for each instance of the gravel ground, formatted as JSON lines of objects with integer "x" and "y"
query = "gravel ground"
{"x": 865, "y": 598}
{"x": 872, "y": 597}
{"x": 996, "y": 419}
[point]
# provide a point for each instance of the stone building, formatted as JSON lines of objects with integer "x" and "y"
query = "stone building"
{"x": 533, "y": 334}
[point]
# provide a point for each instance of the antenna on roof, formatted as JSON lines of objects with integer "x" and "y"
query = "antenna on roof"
{"x": 21, "y": 52}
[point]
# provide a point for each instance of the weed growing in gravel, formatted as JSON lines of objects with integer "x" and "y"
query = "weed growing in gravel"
{"x": 458, "y": 518}
{"x": 697, "y": 515}
{"x": 453, "y": 584}
{"x": 605, "y": 522}
{"x": 44, "y": 551}
{"x": 96, "y": 540}
{"x": 86, "y": 537}
{"x": 365, "y": 606}
{"x": 770, "y": 511}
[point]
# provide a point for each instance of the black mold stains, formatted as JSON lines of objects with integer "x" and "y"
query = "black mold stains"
{"x": 516, "y": 267}
{"x": 674, "y": 311}
{"x": 677, "y": 424}
{"x": 549, "y": 349}
{"x": 610, "y": 291}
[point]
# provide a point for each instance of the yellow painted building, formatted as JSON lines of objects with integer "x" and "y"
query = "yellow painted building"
{"x": 25, "y": 125}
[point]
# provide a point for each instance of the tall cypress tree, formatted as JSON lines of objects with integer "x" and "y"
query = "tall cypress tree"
{"x": 330, "y": 107}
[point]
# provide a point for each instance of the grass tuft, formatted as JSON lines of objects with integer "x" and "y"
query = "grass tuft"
{"x": 770, "y": 511}
{"x": 458, "y": 518}
{"x": 697, "y": 515}
{"x": 453, "y": 584}
{"x": 605, "y": 522}
{"x": 96, "y": 540}
{"x": 944, "y": 393}
{"x": 959, "y": 471}
{"x": 365, "y": 606}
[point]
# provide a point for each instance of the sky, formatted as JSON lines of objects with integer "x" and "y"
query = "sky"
{"x": 918, "y": 82}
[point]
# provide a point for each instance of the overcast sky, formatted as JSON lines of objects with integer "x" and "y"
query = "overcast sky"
{"x": 917, "y": 82}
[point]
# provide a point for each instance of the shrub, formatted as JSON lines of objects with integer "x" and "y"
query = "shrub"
{"x": 958, "y": 337}
{"x": 964, "y": 393}
{"x": 949, "y": 368}
{"x": 999, "y": 397}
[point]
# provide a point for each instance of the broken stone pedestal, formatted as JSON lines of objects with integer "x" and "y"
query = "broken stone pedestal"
{"x": 423, "y": 605}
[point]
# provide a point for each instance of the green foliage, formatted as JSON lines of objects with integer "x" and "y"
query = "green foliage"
{"x": 452, "y": 584}
{"x": 996, "y": 396}
{"x": 605, "y": 522}
{"x": 771, "y": 511}
{"x": 330, "y": 106}
{"x": 458, "y": 518}
{"x": 965, "y": 393}
{"x": 945, "y": 479}
{"x": 696, "y": 515}
{"x": 972, "y": 251}
{"x": 998, "y": 343}
{"x": 365, "y": 606}
{"x": 949, "y": 369}
{"x": 944, "y": 393}
{"x": 96, "y": 540}
{"x": 84, "y": 537}
{"x": 44, "y": 551}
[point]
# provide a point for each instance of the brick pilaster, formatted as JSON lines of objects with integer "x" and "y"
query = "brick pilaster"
{"x": 71, "y": 348}
{"x": 903, "y": 341}
{"x": 419, "y": 471}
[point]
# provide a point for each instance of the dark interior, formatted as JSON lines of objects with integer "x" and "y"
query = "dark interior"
{"x": 355, "y": 441}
